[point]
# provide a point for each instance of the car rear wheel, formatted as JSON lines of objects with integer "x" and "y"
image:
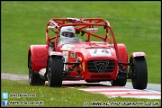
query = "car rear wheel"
{"x": 34, "y": 78}
{"x": 55, "y": 71}
{"x": 121, "y": 80}
{"x": 139, "y": 72}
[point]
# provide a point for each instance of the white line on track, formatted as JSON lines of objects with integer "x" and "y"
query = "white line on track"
{"x": 117, "y": 91}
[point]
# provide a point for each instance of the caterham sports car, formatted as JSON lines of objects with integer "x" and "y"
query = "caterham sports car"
{"x": 90, "y": 53}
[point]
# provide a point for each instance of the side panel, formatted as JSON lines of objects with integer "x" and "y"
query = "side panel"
{"x": 39, "y": 54}
{"x": 123, "y": 55}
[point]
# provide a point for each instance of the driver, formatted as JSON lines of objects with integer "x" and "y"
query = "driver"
{"x": 67, "y": 34}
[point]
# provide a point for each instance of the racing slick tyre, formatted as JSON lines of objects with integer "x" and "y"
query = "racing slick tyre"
{"x": 34, "y": 78}
{"x": 139, "y": 72}
{"x": 55, "y": 71}
{"x": 121, "y": 80}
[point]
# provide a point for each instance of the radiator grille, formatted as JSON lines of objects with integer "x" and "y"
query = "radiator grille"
{"x": 101, "y": 66}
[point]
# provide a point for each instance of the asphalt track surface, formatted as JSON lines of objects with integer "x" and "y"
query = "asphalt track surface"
{"x": 153, "y": 91}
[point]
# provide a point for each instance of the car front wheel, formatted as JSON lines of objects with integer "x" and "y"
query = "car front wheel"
{"x": 139, "y": 72}
{"x": 55, "y": 71}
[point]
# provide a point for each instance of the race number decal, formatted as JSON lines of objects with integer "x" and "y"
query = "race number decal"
{"x": 100, "y": 52}
{"x": 67, "y": 47}
{"x": 73, "y": 55}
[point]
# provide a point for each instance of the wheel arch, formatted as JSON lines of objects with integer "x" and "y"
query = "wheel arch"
{"x": 123, "y": 54}
{"x": 39, "y": 54}
{"x": 137, "y": 54}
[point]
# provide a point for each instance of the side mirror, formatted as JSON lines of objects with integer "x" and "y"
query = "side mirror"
{"x": 92, "y": 29}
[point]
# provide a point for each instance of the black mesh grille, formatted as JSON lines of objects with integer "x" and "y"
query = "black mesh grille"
{"x": 101, "y": 66}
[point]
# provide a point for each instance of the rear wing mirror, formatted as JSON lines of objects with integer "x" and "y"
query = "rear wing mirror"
{"x": 51, "y": 27}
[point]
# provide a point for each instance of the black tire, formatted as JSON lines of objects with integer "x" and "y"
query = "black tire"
{"x": 55, "y": 71}
{"x": 139, "y": 72}
{"x": 120, "y": 81}
{"x": 34, "y": 78}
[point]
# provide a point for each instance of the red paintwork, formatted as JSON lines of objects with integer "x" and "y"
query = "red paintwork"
{"x": 118, "y": 52}
{"x": 82, "y": 52}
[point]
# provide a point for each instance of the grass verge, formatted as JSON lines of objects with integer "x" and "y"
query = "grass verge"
{"x": 59, "y": 97}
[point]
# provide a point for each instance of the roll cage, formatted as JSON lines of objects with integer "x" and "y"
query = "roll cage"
{"x": 55, "y": 25}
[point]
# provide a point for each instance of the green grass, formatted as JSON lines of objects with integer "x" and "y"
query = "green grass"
{"x": 63, "y": 97}
{"x": 135, "y": 23}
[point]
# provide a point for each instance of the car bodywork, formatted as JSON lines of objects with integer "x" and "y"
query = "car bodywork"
{"x": 102, "y": 59}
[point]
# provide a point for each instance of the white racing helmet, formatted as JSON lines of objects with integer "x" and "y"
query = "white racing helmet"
{"x": 67, "y": 32}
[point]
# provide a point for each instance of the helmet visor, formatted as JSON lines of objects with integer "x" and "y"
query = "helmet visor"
{"x": 68, "y": 34}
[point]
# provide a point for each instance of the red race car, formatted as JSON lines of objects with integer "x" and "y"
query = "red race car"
{"x": 70, "y": 54}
